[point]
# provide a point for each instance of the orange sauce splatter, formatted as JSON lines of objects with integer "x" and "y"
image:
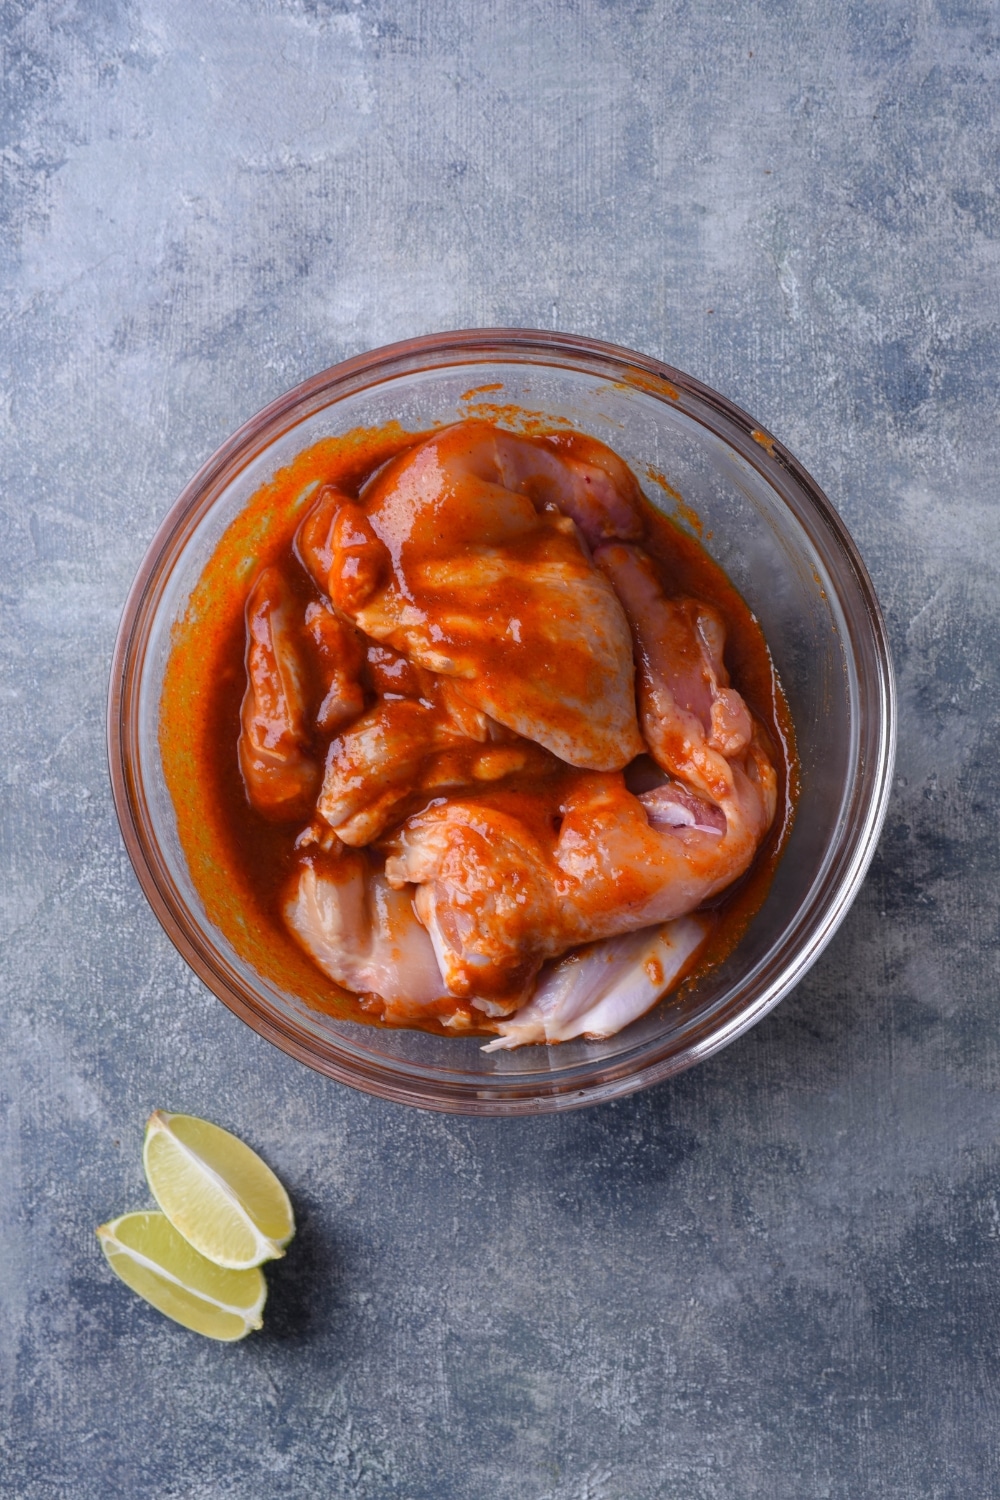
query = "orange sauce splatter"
{"x": 480, "y": 390}
{"x": 516, "y": 418}
{"x": 654, "y": 970}
{"x": 643, "y": 380}
{"x": 687, "y": 513}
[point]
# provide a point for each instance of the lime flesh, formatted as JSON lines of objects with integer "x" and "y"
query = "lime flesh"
{"x": 215, "y": 1191}
{"x": 151, "y": 1257}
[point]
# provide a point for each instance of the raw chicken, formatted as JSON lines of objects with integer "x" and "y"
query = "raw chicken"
{"x": 314, "y": 538}
{"x": 490, "y": 592}
{"x": 469, "y": 579}
{"x": 585, "y": 480}
{"x": 485, "y": 893}
{"x": 280, "y": 776}
{"x": 340, "y": 653}
{"x": 597, "y": 990}
{"x": 404, "y": 747}
{"x": 363, "y": 934}
{"x": 694, "y": 723}
{"x": 499, "y": 897}
{"x": 627, "y": 862}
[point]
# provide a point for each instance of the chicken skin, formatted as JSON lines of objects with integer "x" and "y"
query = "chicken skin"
{"x": 470, "y": 579}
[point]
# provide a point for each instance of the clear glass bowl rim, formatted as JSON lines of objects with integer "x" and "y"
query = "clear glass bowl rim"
{"x": 601, "y": 1079}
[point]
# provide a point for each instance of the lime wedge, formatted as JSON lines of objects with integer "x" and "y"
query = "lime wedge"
{"x": 149, "y": 1255}
{"x": 217, "y": 1192}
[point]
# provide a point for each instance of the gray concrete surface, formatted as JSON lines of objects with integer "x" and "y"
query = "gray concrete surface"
{"x": 778, "y": 1276}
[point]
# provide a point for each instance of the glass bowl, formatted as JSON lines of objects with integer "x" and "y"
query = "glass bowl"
{"x": 781, "y": 543}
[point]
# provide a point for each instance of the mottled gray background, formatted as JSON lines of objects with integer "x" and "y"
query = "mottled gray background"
{"x": 779, "y": 1275}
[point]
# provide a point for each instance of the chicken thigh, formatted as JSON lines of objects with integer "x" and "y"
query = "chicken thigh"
{"x": 472, "y": 580}
{"x": 499, "y": 897}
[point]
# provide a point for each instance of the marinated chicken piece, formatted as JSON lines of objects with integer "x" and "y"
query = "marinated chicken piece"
{"x": 491, "y": 591}
{"x": 360, "y": 562}
{"x": 616, "y": 862}
{"x": 485, "y": 893}
{"x": 371, "y": 768}
{"x": 406, "y": 747}
{"x": 470, "y": 580}
{"x": 314, "y": 538}
{"x": 362, "y": 933}
{"x": 597, "y": 990}
{"x": 340, "y": 653}
{"x": 390, "y": 674}
{"x": 692, "y": 720}
{"x": 279, "y": 774}
{"x": 588, "y": 482}
{"x": 499, "y": 899}
{"x": 630, "y": 862}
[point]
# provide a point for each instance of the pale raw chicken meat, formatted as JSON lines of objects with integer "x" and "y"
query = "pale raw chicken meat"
{"x": 279, "y": 774}
{"x": 472, "y": 580}
{"x": 582, "y": 478}
{"x": 363, "y": 933}
{"x": 597, "y": 990}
